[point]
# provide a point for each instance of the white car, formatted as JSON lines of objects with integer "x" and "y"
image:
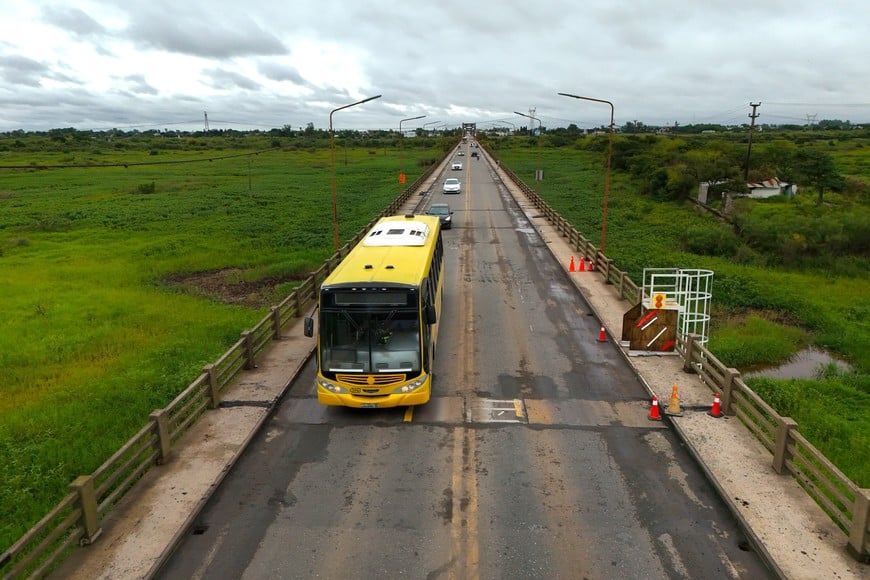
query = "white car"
{"x": 457, "y": 165}
{"x": 452, "y": 185}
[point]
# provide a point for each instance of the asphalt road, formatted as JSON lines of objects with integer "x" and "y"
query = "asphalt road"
{"x": 535, "y": 458}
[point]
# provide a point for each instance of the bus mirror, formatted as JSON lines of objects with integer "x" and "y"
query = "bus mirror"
{"x": 431, "y": 318}
{"x": 309, "y": 327}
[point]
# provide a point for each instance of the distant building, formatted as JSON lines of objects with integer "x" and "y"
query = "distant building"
{"x": 757, "y": 190}
{"x": 770, "y": 188}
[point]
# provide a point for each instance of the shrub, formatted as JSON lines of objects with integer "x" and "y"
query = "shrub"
{"x": 709, "y": 240}
{"x": 146, "y": 188}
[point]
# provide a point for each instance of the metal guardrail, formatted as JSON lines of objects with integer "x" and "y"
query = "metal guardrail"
{"x": 76, "y": 520}
{"x": 846, "y": 503}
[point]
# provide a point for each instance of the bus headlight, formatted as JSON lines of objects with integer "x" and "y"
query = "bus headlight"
{"x": 411, "y": 387}
{"x": 331, "y": 387}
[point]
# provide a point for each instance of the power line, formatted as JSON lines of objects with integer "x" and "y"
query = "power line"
{"x": 728, "y": 113}
{"x": 158, "y": 124}
{"x": 820, "y": 104}
{"x": 785, "y": 117}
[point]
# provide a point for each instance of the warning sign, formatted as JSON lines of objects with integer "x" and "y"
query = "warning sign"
{"x": 650, "y": 329}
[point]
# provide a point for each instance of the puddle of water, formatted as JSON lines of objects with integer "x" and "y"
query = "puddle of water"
{"x": 803, "y": 365}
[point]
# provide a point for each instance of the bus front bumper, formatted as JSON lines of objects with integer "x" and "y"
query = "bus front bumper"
{"x": 325, "y": 397}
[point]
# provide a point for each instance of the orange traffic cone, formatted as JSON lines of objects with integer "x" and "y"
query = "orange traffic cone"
{"x": 571, "y": 265}
{"x": 674, "y": 404}
{"x": 591, "y": 265}
{"x": 654, "y": 414}
{"x": 602, "y": 335}
{"x": 582, "y": 264}
{"x": 716, "y": 409}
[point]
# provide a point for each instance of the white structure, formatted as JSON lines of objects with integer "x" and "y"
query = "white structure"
{"x": 687, "y": 290}
{"x": 770, "y": 188}
{"x": 757, "y": 190}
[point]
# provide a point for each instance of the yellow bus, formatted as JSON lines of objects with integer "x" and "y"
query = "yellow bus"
{"x": 378, "y": 317}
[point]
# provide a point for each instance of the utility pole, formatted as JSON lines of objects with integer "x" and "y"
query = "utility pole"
{"x": 205, "y": 125}
{"x": 752, "y": 116}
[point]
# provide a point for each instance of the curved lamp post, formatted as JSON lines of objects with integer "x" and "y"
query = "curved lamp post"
{"x": 509, "y": 146}
{"x": 607, "y": 175}
{"x": 332, "y": 165}
{"x": 540, "y": 175}
{"x": 429, "y": 123}
{"x": 402, "y": 152}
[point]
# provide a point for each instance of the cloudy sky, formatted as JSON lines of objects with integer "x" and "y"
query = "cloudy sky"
{"x": 156, "y": 64}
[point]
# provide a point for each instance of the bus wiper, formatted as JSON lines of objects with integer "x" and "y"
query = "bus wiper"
{"x": 350, "y": 319}
{"x": 358, "y": 331}
{"x": 384, "y": 332}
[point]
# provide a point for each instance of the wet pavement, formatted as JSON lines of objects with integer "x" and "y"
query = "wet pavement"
{"x": 784, "y": 524}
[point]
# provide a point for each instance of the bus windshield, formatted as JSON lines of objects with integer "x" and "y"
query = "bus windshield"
{"x": 366, "y": 341}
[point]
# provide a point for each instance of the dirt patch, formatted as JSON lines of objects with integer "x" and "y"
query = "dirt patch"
{"x": 229, "y": 287}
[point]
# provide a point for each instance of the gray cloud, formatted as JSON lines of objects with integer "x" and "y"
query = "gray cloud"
{"x": 72, "y": 20}
{"x": 280, "y": 72}
{"x": 138, "y": 85}
{"x": 659, "y": 62}
{"x": 206, "y": 33}
{"x": 228, "y": 80}
{"x": 20, "y": 70}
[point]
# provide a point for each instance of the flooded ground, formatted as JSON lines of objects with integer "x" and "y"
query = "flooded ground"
{"x": 803, "y": 365}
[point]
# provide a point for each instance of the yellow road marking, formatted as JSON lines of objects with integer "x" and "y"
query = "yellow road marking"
{"x": 518, "y": 407}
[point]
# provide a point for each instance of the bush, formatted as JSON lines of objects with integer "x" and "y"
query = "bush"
{"x": 757, "y": 341}
{"x": 709, "y": 240}
{"x": 146, "y": 188}
{"x": 831, "y": 411}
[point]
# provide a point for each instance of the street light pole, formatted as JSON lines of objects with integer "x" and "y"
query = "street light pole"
{"x": 607, "y": 175}
{"x": 540, "y": 174}
{"x": 402, "y": 152}
{"x": 429, "y": 123}
{"x": 509, "y": 144}
{"x": 332, "y": 165}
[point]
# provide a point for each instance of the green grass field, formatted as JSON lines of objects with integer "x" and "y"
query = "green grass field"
{"x": 117, "y": 284}
{"x": 761, "y": 314}
{"x": 105, "y": 313}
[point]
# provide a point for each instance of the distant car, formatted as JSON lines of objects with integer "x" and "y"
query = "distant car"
{"x": 442, "y": 210}
{"x": 452, "y": 185}
{"x": 461, "y": 153}
{"x": 457, "y": 166}
{"x": 475, "y": 154}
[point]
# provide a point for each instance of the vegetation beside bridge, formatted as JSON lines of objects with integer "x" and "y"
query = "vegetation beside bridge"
{"x": 789, "y": 272}
{"x": 128, "y": 261}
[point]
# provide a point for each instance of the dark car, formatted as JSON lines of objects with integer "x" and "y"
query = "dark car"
{"x": 442, "y": 210}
